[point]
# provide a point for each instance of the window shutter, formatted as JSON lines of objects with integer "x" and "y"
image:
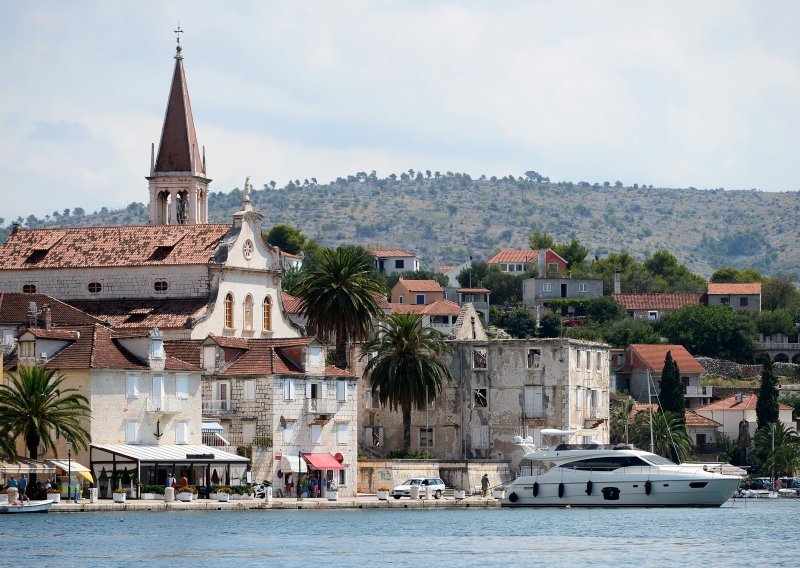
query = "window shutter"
{"x": 132, "y": 434}
{"x": 132, "y": 386}
{"x": 308, "y": 389}
{"x": 158, "y": 387}
{"x": 250, "y": 389}
{"x": 341, "y": 433}
{"x": 182, "y": 386}
{"x": 288, "y": 389}
{"x": 316, "y": 434}
{"x": 341, "y": 390}
{"x": 181, "y": 433}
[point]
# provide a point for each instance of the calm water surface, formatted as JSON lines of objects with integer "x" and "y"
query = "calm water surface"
{"x": 758, "y": 533}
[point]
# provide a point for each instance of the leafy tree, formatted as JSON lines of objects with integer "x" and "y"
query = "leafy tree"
{"x": 573, "y": 252}
{"x": 622, "y": 333}
{"x": 472, "y": 274}
{"x": 670, "y": 438}
{"x": 671, "y": 397}
{"x": 540, "y": 240}
{"x": 778, "y": 293}
{"x": 549, "y": 325}
{"x": 339, "y": 297}
{"x": 767, "y": 404}
{"x": 669, "y": 276}
{"x": 633, "y": 275}
{"x": 35, "y": 405}
{"x": 620, "y": 422}
{"x": 779, "y": 321}
{"x": 604, "y": 309}
{"x": 407, "y": 369}
{"x": 505, "y": 288}
{"x": 773, "y": 443}
{"x": 440, "y": 278}
{"x": 793, "y": 400}
{"x": 731, "y": 275}
{"x": 519, "y": 322}
{"x": 713, "y": 331}
{"x": 286, "y": 238}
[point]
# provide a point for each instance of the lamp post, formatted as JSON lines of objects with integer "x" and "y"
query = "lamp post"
{"x": 69, "y": 470}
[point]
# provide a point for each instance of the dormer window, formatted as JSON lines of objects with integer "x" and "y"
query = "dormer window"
{"x": 27, "y": 349}
{"x": 209, "y": 357}
{"x": 95, "y": 287}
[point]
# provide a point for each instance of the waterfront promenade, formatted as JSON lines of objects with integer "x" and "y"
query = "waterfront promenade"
{"x": 360, "y": 502}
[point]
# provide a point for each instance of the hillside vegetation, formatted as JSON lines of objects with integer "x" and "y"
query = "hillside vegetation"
{"x": 446, "y": 218}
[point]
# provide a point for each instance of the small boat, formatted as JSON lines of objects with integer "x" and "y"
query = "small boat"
{"x": 600, "y": 475}
{"x": 26, "y": 507}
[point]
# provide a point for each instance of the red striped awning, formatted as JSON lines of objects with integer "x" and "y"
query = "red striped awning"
{"x": 322, "y": 461}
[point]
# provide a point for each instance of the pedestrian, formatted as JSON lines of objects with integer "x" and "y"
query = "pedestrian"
{"x": 12, "y": 482}
{"x": 183, "y": 482}
{"x": 170, "y": 480}
{"x": 23, "y": 485}
{"x": 315, "y": 487}
{"x": 485, "y": 485}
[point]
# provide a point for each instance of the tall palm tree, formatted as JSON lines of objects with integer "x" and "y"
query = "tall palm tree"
{"x": 776, "y": 443}
{"x": 621, "y": 420}
{"x": 33, "y": 405}
{"x": 670, "y": 438}
{"x": 338, "y": 297}
{"x": 407, "y": 369}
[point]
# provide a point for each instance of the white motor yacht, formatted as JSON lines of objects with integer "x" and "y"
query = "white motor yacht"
{"x": 597, "y": 475}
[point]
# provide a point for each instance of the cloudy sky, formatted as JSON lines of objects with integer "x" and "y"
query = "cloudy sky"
{"x": 673, "y": 93}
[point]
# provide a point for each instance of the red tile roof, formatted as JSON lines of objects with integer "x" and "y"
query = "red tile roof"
{"x": 95, "y": 247}
{"x": 144, "y": 314}
{"x": 695, "y": 420}
{"x": 511, "y": 255}
{"x": 383, "y": 253}
{"x": 446, "y": 268}
{"x": 657, "y": 301}
{"x": 437, "y": 308}
{"x": 59, "y": 334}
{"x": 749, "y": 289}
{"x": 421, "y": 285}
{"x": 14, "y": 307}
{"x": 290, "y": 303}
{"x": 654, "y": 355}
{"x": 748, "y": 402}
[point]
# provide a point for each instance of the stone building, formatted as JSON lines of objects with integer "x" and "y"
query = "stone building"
{"x": 500, "y": 389}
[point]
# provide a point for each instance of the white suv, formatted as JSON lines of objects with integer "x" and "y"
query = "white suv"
{"x": 434, "y": 486}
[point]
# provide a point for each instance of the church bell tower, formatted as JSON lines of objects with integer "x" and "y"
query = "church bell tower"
{"x": 177, "y": 180}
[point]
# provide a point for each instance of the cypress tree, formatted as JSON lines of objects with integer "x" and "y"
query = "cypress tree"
{"x": 672, "y": 398}
{"x": 767, "y": 405}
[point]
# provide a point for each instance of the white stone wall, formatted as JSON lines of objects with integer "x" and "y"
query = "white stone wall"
{"x": 185, "y": 281}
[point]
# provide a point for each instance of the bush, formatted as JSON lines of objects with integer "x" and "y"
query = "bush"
{"x": 410, "y": 455}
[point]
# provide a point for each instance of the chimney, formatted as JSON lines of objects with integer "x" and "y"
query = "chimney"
{"x": 33, "y": 312}
{"x": 542, "y": 258}
{"x": 617, "y": 283}
{"x": 156, "y": 356}
{"x": 47, "y": 318}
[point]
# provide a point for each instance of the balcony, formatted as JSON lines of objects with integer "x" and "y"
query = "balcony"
{"x": 322, "y": 406}
{"x": 218, "y": 407}
{"x": 701, "y": 392}
{"x": 163, "y": 405}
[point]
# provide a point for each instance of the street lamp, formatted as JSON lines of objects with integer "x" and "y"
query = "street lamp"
{"x": 69, "y": 469}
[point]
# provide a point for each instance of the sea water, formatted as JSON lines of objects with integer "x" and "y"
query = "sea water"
{"x": 752, "y": 533}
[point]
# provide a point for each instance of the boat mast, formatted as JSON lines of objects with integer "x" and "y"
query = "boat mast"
{"x": 650, "y": 409}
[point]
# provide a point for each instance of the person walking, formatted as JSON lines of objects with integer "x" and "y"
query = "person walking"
{"x": 23, "y": 485}
{"x": 170, "y": 480}
{"x": 485, "y": 485}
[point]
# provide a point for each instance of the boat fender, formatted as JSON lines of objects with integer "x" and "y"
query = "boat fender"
{"x": 513, "y": 497}
{"x": 589, "y": 487}
{"x": 535, "y": 489}
{"x": 560, "y": 490}
{"x": 648, "y": 487}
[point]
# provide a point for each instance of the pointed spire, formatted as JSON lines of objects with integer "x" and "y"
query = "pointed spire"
{"x": 179, "y": 150}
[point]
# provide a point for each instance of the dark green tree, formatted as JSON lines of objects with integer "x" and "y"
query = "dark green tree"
{"x": 731, "y": 275}
{"x": 671, "y": 397}
{"x": 622, "y": 333}
{"x": 36, "y": 406}
{"x": 604, "y": 309}
{"x": 550, "y": 325}
{"x": 539, "y": 239}
{"x": 712, "y": 331}
{"x": 340, "y": 297}
{"x": 778, "y": 293}
{"x": 670, "y": 438}
{"x": 573, "y": 252}
{"x": 767, "y": 404}
{"x": 519, "y": 322}
{"x": 407, "y": 369}
{"x": 286, "y": 238}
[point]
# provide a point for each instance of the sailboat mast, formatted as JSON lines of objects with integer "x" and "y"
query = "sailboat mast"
{"x": 650, "y": 408}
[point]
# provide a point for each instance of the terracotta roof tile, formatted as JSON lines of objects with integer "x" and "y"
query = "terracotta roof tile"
{"x": 144, "y": 314}
{"x": 654, "y": 355}
{"x": 421, "y": 285}
{"x": 657, "y": 301}
{"x": 753, "y": 288}
{"x": 695, "y": 420}
{"x": 748, "y": 402}
{"x": 62, "y": 334}
{"x": 14, "y": 307}
{"x": 390, "y": 252}
{"x": 437, "y": 308}
{"x": 512, "y": 255}
{"x": 95, "y": 247}
{"x": 290, "y": 303}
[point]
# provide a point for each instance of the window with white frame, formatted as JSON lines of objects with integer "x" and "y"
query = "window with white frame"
{"x": 289, "y": 432}
{"x": 158, "y": 388}
{"x": 342, "y": 436}
{"x": 288, "y": 389}
{"x": 583, "y": 287}
{"x": 341, "y": 390}
{"x": 402, "y": 299}
{"x": 27, "y": 349}
{"x": 534, "y": 402}
{"x": 181, "y": 433}
{"x": 248, "y": 432}
{"x": 426, "y": 437}
{"x": 316, "y": 357}
{"x": 250, "y": 389}
{"x": 577, "y": 358}
{"x": 316, "y": 434}
{"x": 132, "y": 432}
{"x": 420, "y": 298}
{"x": 209, "y": 357}
{"x": 652, "y": 315}
{"x": 132, "y": 385}
{"x": 547, "y": 286}
{"x": 579, "y": 399}
{"x": 182, "y": 386}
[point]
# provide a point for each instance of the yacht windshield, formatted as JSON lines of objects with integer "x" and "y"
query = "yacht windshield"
{"x": 658, "y": 460}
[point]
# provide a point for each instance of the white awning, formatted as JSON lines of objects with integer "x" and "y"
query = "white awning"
{"x": 74, "y": 467}
{"x": 212, "y": 426}
{"x": 24, "y": 466}
{"x": 175, "y": 453}
{"x": 293, "y": 464}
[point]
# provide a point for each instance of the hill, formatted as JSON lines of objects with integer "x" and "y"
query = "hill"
{"x": 446, "y": 218}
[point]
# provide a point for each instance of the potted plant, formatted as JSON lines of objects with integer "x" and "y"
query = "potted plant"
{"x": 333, "y": 494}
{"x": 459, "y": 493}
{"x": 499, "y": 492}
{"x": 247, "y": 491}
{"x": 186, "y": 493}
{"x": 153, "y": 492}
{"x": 238, "y": 493}
{"x": 383, "y": 493}
{"x": 54, "y": 495}
{"x": 223, "y": 494}
{"x": 119, "y": 495}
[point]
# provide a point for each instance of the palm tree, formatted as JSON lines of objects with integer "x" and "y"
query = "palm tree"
{"x": 407, "y": 369}
{"x": 338, "y": 297}
{"x": 670, "y": 438}
{"x": 621, "y": 420}
{"x": 776, "y": 443}
{"x": 33, "y": 405}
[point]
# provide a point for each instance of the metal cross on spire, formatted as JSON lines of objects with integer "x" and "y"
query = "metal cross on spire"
{"x": 178, "y": 33}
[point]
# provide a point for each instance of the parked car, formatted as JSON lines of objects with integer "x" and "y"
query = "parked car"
{"x": 759, "y": 483}
{"x": 434, "y": 485}
{"x": 575, "y": 321}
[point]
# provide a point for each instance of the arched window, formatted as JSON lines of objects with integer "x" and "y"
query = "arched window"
{"x": 29, "y": 288}
{"x": 229, "y": 311}
{"x": 267, "y": 314}
{"x": 95, "y": 287}
{"x": 248, "y": 312}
